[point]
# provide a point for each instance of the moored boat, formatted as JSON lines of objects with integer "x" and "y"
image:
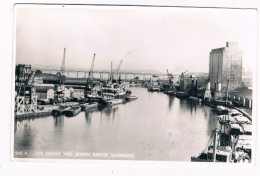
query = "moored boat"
{"x": 113, "y": 102}
{"x": 153, "y": 88}
{"x": 221, "y": 155}
{"x": 113, "y": 93}
{"x": 59, "y": 110}
{"x": 170, "y": 92}
{"x": 131, "y": 98}
{"x": 181, "y": 94}
{"x": 222, "y": 110}
{"x": 72, "y": 111}
{"x": 195, "y": 99}
{"x": 90, "y": 105}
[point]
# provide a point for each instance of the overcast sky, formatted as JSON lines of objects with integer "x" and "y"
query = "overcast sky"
{"x": 153, "y": 38}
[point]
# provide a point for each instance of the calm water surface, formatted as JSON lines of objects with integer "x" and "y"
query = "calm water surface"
{"x": 153, "y": 127}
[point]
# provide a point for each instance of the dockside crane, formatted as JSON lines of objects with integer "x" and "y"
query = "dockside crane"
{"x": 90, "y": 74}
{"x": 25, "y": 99}
{"x": 89, "y": 83}
{"x": 59, "y": 87}
{"x": 62, "y": 70}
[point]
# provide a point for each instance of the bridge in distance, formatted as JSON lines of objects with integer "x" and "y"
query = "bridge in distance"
{"x": 106, "y": 74}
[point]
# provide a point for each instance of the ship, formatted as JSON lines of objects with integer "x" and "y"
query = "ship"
{"x": 229, "y": 144}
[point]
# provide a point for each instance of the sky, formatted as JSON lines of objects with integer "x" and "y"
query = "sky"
{"x": 145, "y": 38}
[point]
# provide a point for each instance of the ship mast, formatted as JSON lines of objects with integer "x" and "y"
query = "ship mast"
{"x": 111, "y": 73}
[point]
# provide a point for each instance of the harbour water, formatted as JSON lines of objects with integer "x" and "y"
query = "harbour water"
{"x": 153, "y": 127}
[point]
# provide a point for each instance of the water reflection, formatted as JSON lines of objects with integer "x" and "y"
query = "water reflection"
{"x": 110, "y": 111}
{"x": 88, "y": 117}
{"x": 170, "y": 101}
{"x": 193, "y": 107}
{"x": 153, "y": 127}
{"x": 212, "y": 121}
{"x": 27, "y": 134}
{"x": 59, "y": 121}
{"x": 15, "y": 125}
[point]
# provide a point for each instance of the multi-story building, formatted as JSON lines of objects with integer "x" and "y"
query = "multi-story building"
{"x": 193, "y": 83}
{"x": 225, "y": 68}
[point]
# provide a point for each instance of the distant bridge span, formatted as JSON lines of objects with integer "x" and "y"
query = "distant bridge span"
{"x": 106, "y": 74}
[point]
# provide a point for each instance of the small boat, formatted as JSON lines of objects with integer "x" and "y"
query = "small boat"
{"x": 128, "y": 92}
{"x": 222, "y": 110}
{"x": 170, "y": 92}
{"x": 85, "y": 106}
{"x": 221, "y": 155}
{"x": 247, "y": 129}
{"x": 59, "y": 110}
{"x": 195, "y": 99}
{"x": 236, "y": 129}
{"x": 72, "y": 111}
{"x": 219, "y": 152}
{"x": 242, "y": 119}
{"x": 154, "y": 88}
{"x": 224, "y": 118}
{"x": 236, "y": 114}
{"x": 113, "y": 102}
{"x": 77, "y": 99}
{"x": 181, "y": 94}
{"x": 244, "y": 144}
{"x": 214, "y": 152}
{"x": 131, "y": 98}
{"x": 219, "y": 102}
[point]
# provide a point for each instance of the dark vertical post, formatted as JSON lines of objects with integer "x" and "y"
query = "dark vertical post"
{"x": 214, "y": 146}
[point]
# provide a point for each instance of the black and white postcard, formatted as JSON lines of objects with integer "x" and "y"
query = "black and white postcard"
{"x": 134, "y": 83}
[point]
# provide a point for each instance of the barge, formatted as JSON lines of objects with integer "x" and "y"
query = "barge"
{"x": 60, "y": 110}
{"x": 72, "y": 111}
{"x": 113, "y": 102}
{"x": 85, "y": 106}
{"x": 131, "y": 98}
